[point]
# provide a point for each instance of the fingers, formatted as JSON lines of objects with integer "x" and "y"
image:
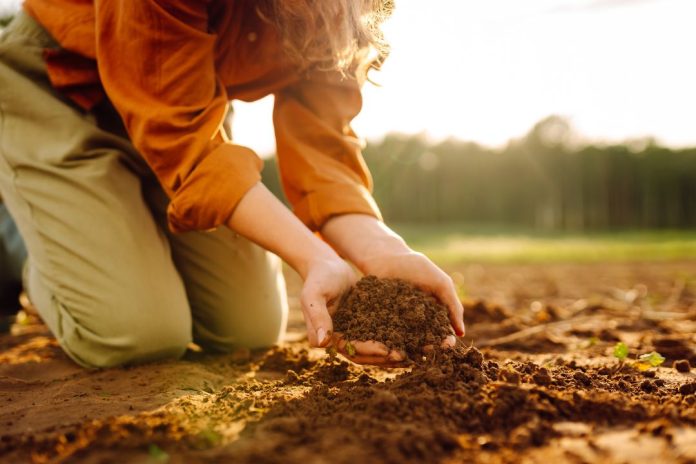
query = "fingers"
{"x": 368, "y": 352}
{"x": 317, "y": 318}
{"x": 371, "y": 348}
{"x": 448, "y": 295}
{"x": 447, "y": 342}
{"x": 367, "y": 348}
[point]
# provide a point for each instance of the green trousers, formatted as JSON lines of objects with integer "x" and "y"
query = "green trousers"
{"x": 110, "y": 281}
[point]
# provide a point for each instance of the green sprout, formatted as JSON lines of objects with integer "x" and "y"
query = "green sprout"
{"x": 654, "y": 358}
{"x": 350, "y": 349}
{"x": 620, "y": 351}
{"x": 648, "y": 360}
{"x": 643, "y": 363}
{"x": 332, "y": 351}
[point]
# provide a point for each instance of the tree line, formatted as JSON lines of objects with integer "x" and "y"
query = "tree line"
{"x": 547, "y": 180}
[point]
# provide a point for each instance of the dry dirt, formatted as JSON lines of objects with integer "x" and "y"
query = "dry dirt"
{"x": 392, "y": 312}
{"x": 539, "y": 384}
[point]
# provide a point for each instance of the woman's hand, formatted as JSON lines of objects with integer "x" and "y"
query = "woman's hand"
{"x": 324, "y": 283}
{"x": 375, "y": 249}
{"x": 262, "y": 218}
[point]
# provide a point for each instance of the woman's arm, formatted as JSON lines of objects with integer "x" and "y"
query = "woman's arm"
{"x": 263, "y": 219}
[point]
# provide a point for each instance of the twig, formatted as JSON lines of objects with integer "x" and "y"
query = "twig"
{"x": 524, "y": 333}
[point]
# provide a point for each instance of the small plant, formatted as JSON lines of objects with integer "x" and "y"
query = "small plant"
{"x": 644, "y": 362}
{"x": 350, "y": 349}
{"x": 620, "y": 351}
{"x": 648, "y": 360}
{"x": 332, "y": 351}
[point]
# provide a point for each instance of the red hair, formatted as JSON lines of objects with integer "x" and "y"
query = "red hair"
{"x": 343, "y": 35}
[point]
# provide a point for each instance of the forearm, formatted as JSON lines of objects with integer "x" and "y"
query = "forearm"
{"x": 361, "y": 238}
{"x": 264, "y": 220}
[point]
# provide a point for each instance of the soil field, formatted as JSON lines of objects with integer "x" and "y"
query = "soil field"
{"x": 534, "y": 381}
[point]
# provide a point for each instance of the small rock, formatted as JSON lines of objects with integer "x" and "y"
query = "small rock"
{"x": 582, "y": 378}
{"x": 688, "y": 388}
{"x": 510, "y": 376}
{"x": 541, "y": 378}
{"x": 682, "y": 365}
{"x": 647, "y": 386}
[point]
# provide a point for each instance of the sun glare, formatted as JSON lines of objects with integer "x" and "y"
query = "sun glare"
{"x": 487, "y": 71}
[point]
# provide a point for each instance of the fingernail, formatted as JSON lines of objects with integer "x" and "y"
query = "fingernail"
{"x": 321, "y": 336}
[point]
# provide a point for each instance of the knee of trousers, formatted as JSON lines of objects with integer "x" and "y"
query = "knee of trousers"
{"x": 254, "y": 318}
{"x": 108, "y": 339}
{"x": 260, "y": 325}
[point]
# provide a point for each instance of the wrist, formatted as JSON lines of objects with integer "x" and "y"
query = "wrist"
{"x": 376, "y": 249}
{"x": 307, "y": 257}
{"x": 363, "y": 239}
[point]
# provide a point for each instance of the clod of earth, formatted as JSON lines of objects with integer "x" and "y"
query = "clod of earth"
{"x": 392, "y": 312}
{"x": 682, "y": 365}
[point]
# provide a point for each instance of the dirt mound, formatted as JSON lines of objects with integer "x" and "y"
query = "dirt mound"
{"x": 393, "y": 312}
{"x": 515, "y": 399}
{"x": 283, "y": 360}
{"x": 454, "y": 404}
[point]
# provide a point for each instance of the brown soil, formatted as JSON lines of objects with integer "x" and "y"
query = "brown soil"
{"x": 539, "y": 385}
{"x": 393, "y": 312}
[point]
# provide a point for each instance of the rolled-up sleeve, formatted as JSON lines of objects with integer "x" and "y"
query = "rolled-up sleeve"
{"x": 319, "y": 156}
{"x": 156, "y": 61}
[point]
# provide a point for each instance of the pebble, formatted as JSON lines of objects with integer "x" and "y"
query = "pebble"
{"x": 682, "y": 365}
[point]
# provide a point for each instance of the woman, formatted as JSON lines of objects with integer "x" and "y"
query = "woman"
{"x": 146, "y": 226}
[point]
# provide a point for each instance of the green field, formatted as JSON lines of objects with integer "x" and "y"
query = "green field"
{"x": 453, "y": 243}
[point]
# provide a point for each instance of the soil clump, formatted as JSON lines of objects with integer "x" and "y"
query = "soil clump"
{"x": 393, "y": 312}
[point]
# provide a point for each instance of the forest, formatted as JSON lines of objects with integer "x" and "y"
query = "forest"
{"x": 550, "y": 179}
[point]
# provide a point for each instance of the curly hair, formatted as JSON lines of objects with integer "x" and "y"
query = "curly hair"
{"x": 342, "y": 35}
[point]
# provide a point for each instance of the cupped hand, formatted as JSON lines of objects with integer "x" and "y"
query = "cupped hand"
{"x": 375, "y": 249}
{"x": 416, "y": 268}
{"x": 377, "y": 354}
{"x": 326, "y": 280}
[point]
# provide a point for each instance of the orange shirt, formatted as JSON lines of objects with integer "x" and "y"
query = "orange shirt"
{"x": 170, "y": 68}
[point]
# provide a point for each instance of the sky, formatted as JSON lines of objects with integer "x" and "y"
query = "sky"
{"x": 488, "y": 70}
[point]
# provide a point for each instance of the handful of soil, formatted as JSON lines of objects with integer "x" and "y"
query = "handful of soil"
{"x": 393, "y": 312}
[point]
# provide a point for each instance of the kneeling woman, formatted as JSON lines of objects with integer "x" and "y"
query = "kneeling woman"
{"x": 146, "y": 227}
